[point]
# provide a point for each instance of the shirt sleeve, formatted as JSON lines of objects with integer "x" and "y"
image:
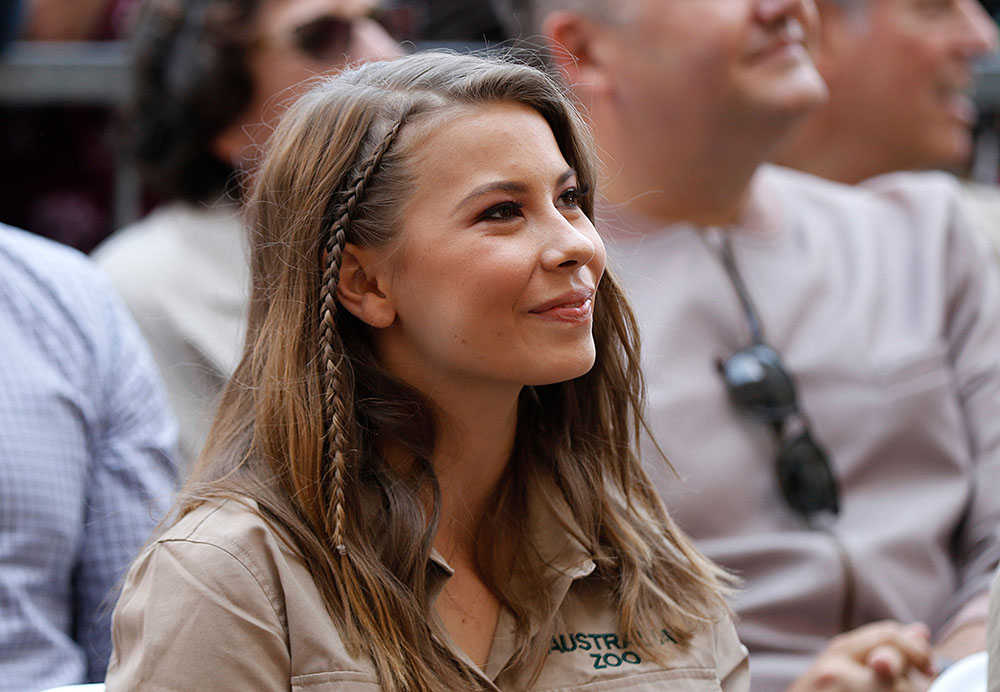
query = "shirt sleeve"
{"x": 130, "y": 480}
{"x": 195, "y": 616}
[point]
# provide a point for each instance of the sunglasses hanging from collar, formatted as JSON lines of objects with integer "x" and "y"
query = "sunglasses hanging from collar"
{"x": 760, "y": 386}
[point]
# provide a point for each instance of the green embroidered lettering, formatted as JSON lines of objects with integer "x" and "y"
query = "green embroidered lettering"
{"x": 564, "y": 647}
{"x": 631, "y": 657}
{"x": 606, "y": 642}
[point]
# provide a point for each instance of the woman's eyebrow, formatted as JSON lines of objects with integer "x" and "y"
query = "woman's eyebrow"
{"x": 566, "y": 175}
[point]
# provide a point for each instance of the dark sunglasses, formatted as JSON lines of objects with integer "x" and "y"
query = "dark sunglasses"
{"x": 327, "y": 38}
{"x": 760, "y": 386}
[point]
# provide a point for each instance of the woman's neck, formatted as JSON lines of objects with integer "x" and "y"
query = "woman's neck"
{"x": 473, "y": 450}
{"x": 475, "y": 439}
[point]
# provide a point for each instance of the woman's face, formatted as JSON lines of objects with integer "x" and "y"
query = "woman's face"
{"x": 492, "y": 277}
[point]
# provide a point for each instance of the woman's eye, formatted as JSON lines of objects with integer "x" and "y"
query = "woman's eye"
{"x": 502, "y": 211}
{"x": 573, "y": 197}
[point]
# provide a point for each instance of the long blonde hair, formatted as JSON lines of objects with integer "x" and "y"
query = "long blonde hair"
{"x": 299, "y": 425}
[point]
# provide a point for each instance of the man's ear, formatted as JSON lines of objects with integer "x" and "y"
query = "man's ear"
{"x": 579, "y": 49}
{"x": 361, "y": 291}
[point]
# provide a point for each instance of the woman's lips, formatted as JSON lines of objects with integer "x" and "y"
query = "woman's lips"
{"x": 569, "y": 313}
{"x": 577, "y": 306}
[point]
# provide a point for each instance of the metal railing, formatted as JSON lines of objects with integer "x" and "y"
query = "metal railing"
{"x": 95, "y": 73}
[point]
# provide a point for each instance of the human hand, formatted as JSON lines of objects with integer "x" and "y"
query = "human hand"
{"x": 878, "y": 657}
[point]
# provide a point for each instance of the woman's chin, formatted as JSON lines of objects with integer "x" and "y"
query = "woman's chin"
{"x": 567, "y": 369}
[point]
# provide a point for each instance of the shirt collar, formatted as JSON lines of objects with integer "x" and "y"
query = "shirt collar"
{"x": 555, "y": 540}
{"x": 556, "y": 545}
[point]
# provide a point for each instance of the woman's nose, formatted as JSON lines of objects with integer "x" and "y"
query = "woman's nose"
{"x": 570, "y": 246}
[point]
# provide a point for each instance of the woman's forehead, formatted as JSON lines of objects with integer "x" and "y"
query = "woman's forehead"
{"x": 484, "y": 141}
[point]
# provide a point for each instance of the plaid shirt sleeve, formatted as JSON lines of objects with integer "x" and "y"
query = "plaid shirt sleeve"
{"x": 86, "y": 461}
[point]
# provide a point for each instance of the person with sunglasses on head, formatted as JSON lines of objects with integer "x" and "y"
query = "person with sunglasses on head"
{"x": 423, "y": 474}
{"x": 210, "y": 79}
{"x": 822, "y": 360}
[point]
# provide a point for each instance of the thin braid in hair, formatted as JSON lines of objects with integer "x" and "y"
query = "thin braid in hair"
{"x": 336, "y": 411}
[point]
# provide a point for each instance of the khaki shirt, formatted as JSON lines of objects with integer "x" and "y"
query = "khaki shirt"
{"x": 220, "y": 602}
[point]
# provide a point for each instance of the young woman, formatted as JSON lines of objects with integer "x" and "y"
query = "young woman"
{"x": 423, "y": 473}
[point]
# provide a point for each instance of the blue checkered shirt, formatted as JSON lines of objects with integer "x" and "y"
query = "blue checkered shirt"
{"x": 86, "y": 462}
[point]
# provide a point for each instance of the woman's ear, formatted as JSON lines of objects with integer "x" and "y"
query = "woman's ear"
{"x": 360, "y": 290}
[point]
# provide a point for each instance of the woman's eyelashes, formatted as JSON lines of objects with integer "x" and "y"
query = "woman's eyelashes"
{"x": 570, "y": 198}
{"x": 502, "y": 212}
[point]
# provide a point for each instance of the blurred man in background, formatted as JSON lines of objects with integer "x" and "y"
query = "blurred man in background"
{"x": 900, "y": 75}
{"x": 821, "y": 359}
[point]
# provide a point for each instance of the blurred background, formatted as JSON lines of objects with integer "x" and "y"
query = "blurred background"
{"x": 64, "y": 75}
